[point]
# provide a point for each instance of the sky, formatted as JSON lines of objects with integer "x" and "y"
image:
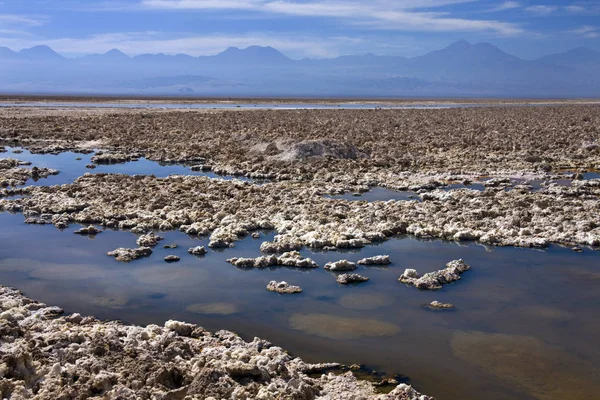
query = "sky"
{"x": 299, "y": 28}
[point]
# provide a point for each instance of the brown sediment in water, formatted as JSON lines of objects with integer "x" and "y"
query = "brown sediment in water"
{"x": 336, "y": 327}
{"x": 547, "y": 372}
{"x": 365, "y": 301}
{"x": 213, "y": 308}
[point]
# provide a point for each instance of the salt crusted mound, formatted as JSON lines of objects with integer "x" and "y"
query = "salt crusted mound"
{"x": 46, "y": 356}
{"x": 320, "y": 148}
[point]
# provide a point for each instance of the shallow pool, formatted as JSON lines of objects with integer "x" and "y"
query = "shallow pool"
{"x": 542, "y": 303}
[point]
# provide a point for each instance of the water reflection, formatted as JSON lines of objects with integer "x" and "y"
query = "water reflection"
{"x": 541, "y": 304}
{"x": 73, "y": 165}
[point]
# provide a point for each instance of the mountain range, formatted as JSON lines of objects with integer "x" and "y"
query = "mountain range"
{"x": 459, "y": 70}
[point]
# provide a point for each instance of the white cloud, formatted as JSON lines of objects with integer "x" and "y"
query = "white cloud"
{"x": 202, "y": 4}
{"x": 542, "y": 10}
{"x": 21, "y": 20}
{"x": 587, "y": 31}
{"x": 507, "y": 5}
{"x": 400, "y": 15}
{"x": 575, "y": 9}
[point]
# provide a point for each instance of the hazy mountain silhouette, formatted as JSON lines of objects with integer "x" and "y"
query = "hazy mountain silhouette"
{"x": 461, "y": 69}
{"x": 579, "y": 55}
{"x": 251, "y": 55}
{"x": 40, "y": 53}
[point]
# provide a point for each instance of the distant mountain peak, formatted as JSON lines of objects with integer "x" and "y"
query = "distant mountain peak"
{"x": 115, "y": 53}
{"x": 253, "y": 54}
{"x": 582, "y": 50}
{"x": 459, "y": 45}
{"x": 577, "y": 55}
{"x": 41, "y": 52}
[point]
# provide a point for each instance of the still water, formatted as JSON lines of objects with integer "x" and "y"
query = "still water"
{"x": 525, "y": 325}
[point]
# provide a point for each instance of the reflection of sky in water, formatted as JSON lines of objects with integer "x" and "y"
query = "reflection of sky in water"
{"x": 70, "y": 168}
{"x": 550, "y": 295}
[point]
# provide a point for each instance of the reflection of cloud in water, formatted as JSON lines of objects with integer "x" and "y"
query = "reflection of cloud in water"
{"x": 545, "y": 312}
{"x": 52, "y": 271}
{"x": 166, "y": 275}
{"x": 336, "y": 327}
{"x": 17, "y": 264}
{"x": 546, "y": 372}
{"x": 67, "y": 272}
{"x": 366, "y": 301}
{"x": 116, "y": 303}
{"x": 213, "y": 308}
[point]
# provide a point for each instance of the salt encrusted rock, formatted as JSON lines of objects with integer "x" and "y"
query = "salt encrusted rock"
{"x": 280, "y": 246}
{"x": 198, "y": 250}
{"x": 126, "y": 255}
{"x": 295, "y": 259}
{"x": 170, "y": 246}
{"x": 113, "y": 158}
{"x": 172, "y": 258}
{"x": 441, "y": 306}
{"x": 201, "y": 168}
{"x": 283, "y": 287}
{"x": 90, "y": 166}
{"x": 149, "y": 240}
{"x": 219, "y": 244}
{"x": 376, "y": 260}
{"x": 345, "y": 279}
{"x": 435, "y": 280}
{"x": 497, "y": 182}
{"x": 288, "y": 259}
{"x": 90, "y": 230}
{"x": 342, "y": 265}
{"x": 195, "y": 229}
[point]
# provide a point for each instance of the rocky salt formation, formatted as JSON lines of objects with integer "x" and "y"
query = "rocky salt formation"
{"x": 198, "y": 250}
{"x": 376, "y": 260}
{"x": 435, "y": 280}
{"x": 283, "y": 287}
{"x": 89, "y": 230}
{"x": 45, "y": 355}
{"x": 127, "y": 255}
{"x": 440, "y": 306}
{"x": 288, "y": 259}
{"x": 12, "y": 174}
{"x": 113, "y": 158}
{"x": 345, "y": 279}
{"x": 149, "y": 240}
{"x": 342, "y": 265}
{"x": 172, "y": 258}
{"x": 231, "y": 210}
{"x": 201, "y": 168}
{"x": 280, "y": 246}
{"x": 407, "y": 157}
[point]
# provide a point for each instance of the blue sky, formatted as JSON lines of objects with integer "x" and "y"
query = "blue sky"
{"x": 299, "y": 28}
